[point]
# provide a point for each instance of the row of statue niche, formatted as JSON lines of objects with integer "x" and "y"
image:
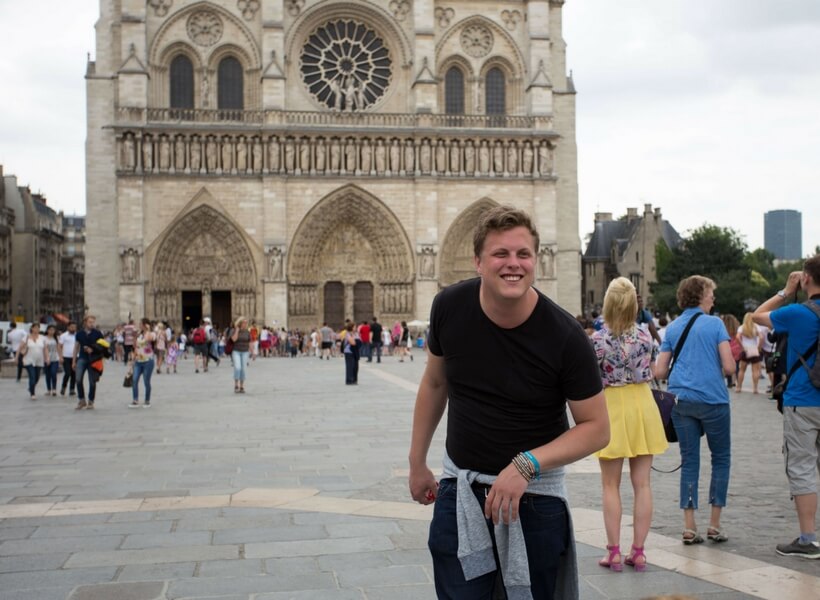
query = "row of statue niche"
{"x": 348, "y": 94}
{"x": 166, "y": 304}
{"x": 302, "y": 300}
{"x": 228, "y": 154}
{"x": 396, "y": 298}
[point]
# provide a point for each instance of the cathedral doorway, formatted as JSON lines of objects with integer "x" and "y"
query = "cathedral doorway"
{"x": 457, "y": 254}
{"x": 202, "y": 267}
{"x": 191, "y": 309}
{"x": 353, "y": 260}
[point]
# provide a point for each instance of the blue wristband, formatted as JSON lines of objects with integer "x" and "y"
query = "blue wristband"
{"x": 534, "y": 462}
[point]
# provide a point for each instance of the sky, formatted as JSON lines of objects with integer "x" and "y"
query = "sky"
{"x": 707, "y": 109}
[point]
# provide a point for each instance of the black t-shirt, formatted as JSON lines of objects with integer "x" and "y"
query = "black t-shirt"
{"x": 87, "y": 338}
{"x": 507, "y": 388}
{"x": 375, "y": 333}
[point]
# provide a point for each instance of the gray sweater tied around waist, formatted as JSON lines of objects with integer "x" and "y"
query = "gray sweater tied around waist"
{"x": 475, "y": 545}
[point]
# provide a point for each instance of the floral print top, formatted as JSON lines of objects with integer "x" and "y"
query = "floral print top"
{"x": 626, "y": 358}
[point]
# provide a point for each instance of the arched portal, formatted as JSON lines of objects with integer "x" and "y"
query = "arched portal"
{"x": 203, "y": 266}
{"x": 351, "y": 257}
{"x": 457, "y": 253}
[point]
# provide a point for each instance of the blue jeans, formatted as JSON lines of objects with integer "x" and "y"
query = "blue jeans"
{"x": 545, "y": 522}
{"x": 144, "y": 370}
{"x": 691, "y": 421}
{"x": 51, "y": 375}
{"x": 33, "y": 377}
{"x": 83, "y": 366}
{"x": 377, "y": 350}
{"x": 240, "y": 362}
{"x": 351, "y": 368}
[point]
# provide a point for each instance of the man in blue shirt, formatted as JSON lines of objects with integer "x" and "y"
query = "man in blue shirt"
{"x": 801, "y": 400}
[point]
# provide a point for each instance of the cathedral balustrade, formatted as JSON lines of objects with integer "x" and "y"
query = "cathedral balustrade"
{"x": 148, "y": 150}
{"x": 351, "y": 119}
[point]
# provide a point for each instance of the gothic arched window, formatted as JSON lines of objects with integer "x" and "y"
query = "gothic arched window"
{"x": 230, "y": 84}
{"x": 454, "y": 91}
{"x": 495, "y": 92}
{"x": 182, "y": 82}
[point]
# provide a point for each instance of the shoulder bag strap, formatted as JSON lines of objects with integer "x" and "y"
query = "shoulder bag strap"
{"x": 801, "y": 359}
{"x": 681, "y": 341}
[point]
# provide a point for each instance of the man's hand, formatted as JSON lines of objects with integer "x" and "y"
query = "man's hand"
{"x": 793, "y": 283}
{"x": 423, "y": 485}
{"x": 505, "y": 495}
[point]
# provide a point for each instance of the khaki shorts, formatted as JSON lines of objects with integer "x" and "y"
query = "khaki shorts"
{"x": 801, "y": 448}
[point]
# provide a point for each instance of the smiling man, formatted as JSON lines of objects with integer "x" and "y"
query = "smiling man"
{"x": 504, "y": 359}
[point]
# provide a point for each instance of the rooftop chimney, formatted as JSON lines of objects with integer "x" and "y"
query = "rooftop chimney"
{"x": 603, "y": 216}
{"x": 631, "y": 214}
{"x": 658, "y": 213}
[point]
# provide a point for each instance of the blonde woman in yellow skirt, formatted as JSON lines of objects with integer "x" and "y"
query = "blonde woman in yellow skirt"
{"x": 626, "y": 355}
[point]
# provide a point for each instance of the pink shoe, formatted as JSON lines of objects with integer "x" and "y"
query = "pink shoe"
{"x": 609, "y": 561}
{"x": 636, "y": 553}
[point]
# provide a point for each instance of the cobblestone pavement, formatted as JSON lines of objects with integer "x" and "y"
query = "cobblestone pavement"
{"x": 297, "y": 490}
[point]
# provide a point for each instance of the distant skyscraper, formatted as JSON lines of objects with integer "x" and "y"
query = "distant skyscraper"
{"x": 783, "y": 234}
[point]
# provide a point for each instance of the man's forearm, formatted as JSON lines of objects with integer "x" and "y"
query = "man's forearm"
{"x": 430, "y": 404}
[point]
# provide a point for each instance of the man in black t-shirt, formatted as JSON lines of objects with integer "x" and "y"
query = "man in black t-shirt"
{"x": 504, "y": 359}
{"x": 84, "y": 351}
{"x": 375, "y": 340}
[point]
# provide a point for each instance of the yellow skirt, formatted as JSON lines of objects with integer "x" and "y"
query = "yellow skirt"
{"x": 634, "y": 423}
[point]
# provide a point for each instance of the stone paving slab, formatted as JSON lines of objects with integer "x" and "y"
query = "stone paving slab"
{"x": 289, "y": 492}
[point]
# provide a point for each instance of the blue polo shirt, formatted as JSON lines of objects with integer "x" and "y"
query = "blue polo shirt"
{"x": 803, "y": 326}
{"x": 698, "y": 372}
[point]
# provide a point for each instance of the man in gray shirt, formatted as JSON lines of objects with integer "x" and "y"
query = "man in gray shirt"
{"x": 327, "y": 340}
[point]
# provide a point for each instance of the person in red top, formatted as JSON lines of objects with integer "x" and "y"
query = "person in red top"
{"x": 254, "y": 346}
{"x": 364, "y": 334}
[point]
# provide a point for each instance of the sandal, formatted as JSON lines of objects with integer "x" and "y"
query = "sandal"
{"x": 714, "y": 534}
{"x": 690, "y": 536}
{"x": 631, "y": 560}
{"x": 609, "y": 561}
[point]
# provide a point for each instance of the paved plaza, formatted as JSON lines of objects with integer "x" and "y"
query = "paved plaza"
{"x": 297, "y": 490}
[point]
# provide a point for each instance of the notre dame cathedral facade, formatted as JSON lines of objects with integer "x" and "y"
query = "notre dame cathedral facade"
{"x": 301, "y": 161}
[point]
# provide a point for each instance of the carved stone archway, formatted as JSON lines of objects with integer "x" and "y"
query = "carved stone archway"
{"x": 457, "y": 253}
{"x": 350, "y": 237}
{"x": 204, "y": 251}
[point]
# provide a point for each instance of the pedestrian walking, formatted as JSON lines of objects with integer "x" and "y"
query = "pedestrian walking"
{"x": 142, "y": 363}
{"x": 327, "y": 340}
{"x": 376, "y": 340}
{"x": 350, "y": 349}
{"x": 52, "y": 360}
{"x": 503, "y": 359}
{"x": 751, "y": 340}
{"x": 241, "y": 337}
{"x": 160, "y": 343}
{"x": 801, "y": 398}
{"x": 171, "y": 356}
{"x": 703, "y": 400}
{"x": 84, "y": 353}
{"x": 35, "y": 357}
{"x": 199, "y": 339}
{"x": 129, "y": 334}
{"x": 66, "y": 343}
{"x": 626, "y": 355}
{"x": 16, "y": 336}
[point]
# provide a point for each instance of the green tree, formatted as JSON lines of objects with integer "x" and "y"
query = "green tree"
{"x": 715, "y": 252}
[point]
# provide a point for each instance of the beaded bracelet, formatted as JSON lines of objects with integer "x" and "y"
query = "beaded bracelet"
{"x": 524, "y": 466}
{"x": 536, "y": 465}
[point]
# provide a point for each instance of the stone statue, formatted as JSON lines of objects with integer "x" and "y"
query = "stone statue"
{"x": 241, "y": 155}
{"x": 147, "y": 153}
{"x": 544, "y": 160}
{"x": 512, "y": 158}
{"x": 275, "y": 263}
{"x": 526, "y": 159}
{"x": 424, "y": 157}
{"x": 336, "y": 90}
{"x": 498, "y": 159}
{"x": 304, "y": 155}
{"x": 227, "y": 154}
{"x": 273, "y": 154}
{"x": 320, "y": 156}
{"x": 335, "y": 155}
{"x": 179, "y": 153}
{"x": 210, "y": 154}
{"x": 455, "y": 158}
{"x": 350, "y": 94}
{"x": 350, "y": 155}
{"x": 360, "y": 97}
{"x": 441, "y": 157}
{"x": 546, "y": 262}
{"x": 395, "y": 155}
{"x": 290, "y": 156}
{"x": 469, "y": 158}
{"x": 427, "y": 266}
{"x": 196, "y": 154}
{"x": 130, "y": 265}
{"x": 257, "y": 155}
{"x": 409, "y": 156}
{"x": 380, "y": 157}
{"x": 483, "y": 158}
{"x": 205, "y": 90}
{"x": 164, "y": 153}
{"x": 366, "y": 155}
{"x": 128, "y": 160}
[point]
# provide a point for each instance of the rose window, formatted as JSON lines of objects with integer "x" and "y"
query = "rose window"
{"x": 346, "y": 65}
